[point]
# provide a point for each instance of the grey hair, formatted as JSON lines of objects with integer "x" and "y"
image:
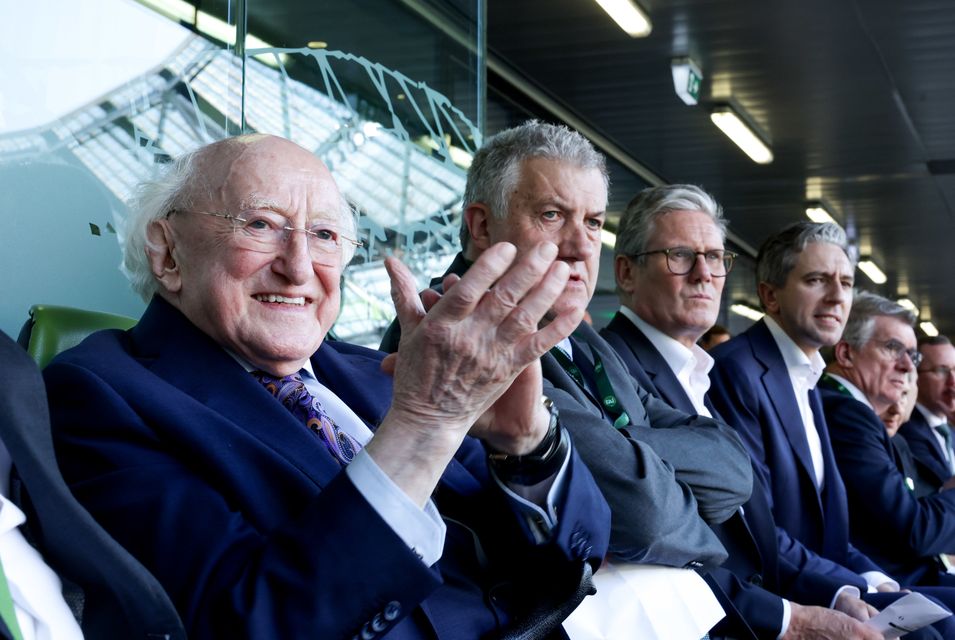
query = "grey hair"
{"x": 779, "y": 253}
{"x": 639, "y": 220}
{"x": 496, "y": 166}
{"x": 176, "y": 187}
{"x": 865, "y": 307}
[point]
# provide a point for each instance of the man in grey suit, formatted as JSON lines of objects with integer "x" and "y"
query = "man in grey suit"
{"x": 665, "y": 473}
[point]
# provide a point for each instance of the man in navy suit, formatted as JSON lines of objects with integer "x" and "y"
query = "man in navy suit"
{"x": 928, "y": 432}
{"x": 764, "y": 383}
{"x": 264, "y": 524}
{"x": 902, "y": 532}
{"x": 671, "y": 264}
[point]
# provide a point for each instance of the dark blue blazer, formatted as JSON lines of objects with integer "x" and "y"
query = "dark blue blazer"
{"x": 752, "y": 390}
{"x": 925, "y": 447}
{"x": 904, "y": 534}
{"x": 755, "y": 575}
{"x": 249, "y": 524}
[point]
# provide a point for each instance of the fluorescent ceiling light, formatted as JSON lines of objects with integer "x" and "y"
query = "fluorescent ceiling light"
{"x": 743, "y": 309}
{"x": 871, "y": 269}
{"x": 736, "y": 129}
{"x": 908, "y": 304}
{"x": 928, "y": 328}
{"x": 816, "y": 212}
{"x": 608, "y": 238}
{"x": 631, "y": 18}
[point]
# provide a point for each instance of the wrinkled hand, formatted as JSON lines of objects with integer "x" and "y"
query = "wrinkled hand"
{"x": 854, "y": 607}
{"x": 817, "y": 623}
{"x": 887, "y": 587}
{"x": 473, "y": 357}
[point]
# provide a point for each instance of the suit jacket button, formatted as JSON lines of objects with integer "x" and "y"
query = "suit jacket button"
{"x": 392, "y": 610}
{"x": 756, "y": 579}
{"x": 378, "y": 623}
{"x": 367, "y": 633}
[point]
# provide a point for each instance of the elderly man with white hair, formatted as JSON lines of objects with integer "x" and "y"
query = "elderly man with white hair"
{"x": 280, "y": 485}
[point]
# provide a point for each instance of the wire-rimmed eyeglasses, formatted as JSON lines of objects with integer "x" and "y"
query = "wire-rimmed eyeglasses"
{"x": 266, "y": 231}
{"x": 896, "y": 350}
{"x": 681, "y": 260}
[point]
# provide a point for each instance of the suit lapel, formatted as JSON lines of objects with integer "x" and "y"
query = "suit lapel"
{"x": 247, "y": 405}
{"x": 779, "y": 389}
{"x": 659, "y": 372}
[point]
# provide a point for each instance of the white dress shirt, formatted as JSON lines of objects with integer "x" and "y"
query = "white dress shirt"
{"x": 690, "y": 366}
{"x": 35, "y": 588}
{"x": 804, "y": 373}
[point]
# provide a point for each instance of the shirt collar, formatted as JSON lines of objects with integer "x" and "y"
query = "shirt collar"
{"x": 933, "y": 419}
{"x": 855, "y": 391}
{"x": 800, "y": 366}
{"x": 307, "y": 367}
{"x": 565, "y": 346}
{"x": 677, "y": 356}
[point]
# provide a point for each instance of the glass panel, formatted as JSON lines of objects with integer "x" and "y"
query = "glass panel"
{"x": 386, "y": 93}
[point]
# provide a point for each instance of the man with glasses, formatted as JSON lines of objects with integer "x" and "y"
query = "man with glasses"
{"x": 666, "y": 305}
{"x": 905, "y": 534}
{"x": 280, "y": 485}
{"x": 928, "y": 431}
{"x": 665, "y": 473}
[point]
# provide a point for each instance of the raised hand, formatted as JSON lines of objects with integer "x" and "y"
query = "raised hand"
{"x": 471, "y": 358}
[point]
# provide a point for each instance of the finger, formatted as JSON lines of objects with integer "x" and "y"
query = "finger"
{"x": 389, "y": 363}
{"x": 467, "y": 293}
{"x": 872, "y": 611}
{"x": 429, "y": 298}
{"x": 449, "y": 281}
{"x": 525, "y": 317}
{"x": 510, "y": 290}
{"x": 408, "y": 305}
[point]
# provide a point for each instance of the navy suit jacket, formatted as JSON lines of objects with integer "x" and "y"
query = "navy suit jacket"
{"x": 755, "y": 572}
{"x": 925, "y": 447}
{"x": 249, "y": 524}
{"x": 752, "y": 390}
{"x": 901, "y": 532}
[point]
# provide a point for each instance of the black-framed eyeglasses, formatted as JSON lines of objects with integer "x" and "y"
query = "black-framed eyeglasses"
{"x": 941, "y": 371}
{"x": 266, "y": 231}
{"x": 897, "y": 350}
{"x": 681, "y": 260}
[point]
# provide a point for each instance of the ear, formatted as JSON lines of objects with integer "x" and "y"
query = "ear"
{"x": 478, "y": 218}
{"x": 767, "y": 295}
{"x": 160, "y": 246}
{"x": 623, "y": 270}
{"x": 843, "y": 354}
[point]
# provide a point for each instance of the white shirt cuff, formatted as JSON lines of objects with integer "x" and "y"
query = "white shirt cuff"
{"x": 537, "y": 503}
{"x": 421, "y": 529}
{"x": 846, "y": 588}
{"x": 876, "y": 578}
{"x": 787, "y": 615}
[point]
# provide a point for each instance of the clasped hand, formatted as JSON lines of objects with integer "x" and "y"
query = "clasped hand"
{"x": 469, "y": 360}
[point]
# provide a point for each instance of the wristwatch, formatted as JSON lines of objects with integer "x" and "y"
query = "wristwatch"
{"x": 540, "y": 463}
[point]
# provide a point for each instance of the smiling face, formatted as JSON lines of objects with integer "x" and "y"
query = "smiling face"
{"x": 683, "y": 307}
{"x": 813, "y": 306}
{"x": 881, "y": 374}
{"x": 271, "y": 308}
{"x": 555, "y": 202}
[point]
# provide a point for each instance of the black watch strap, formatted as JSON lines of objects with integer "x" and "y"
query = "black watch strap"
{"x": 540, "y": 463}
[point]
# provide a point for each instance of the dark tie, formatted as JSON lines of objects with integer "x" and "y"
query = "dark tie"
{"x": 946, "y": 432}
{"x": 294, "y": 396}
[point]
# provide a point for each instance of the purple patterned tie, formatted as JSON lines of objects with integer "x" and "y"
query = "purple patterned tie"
{"x": 294, "y": 396}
